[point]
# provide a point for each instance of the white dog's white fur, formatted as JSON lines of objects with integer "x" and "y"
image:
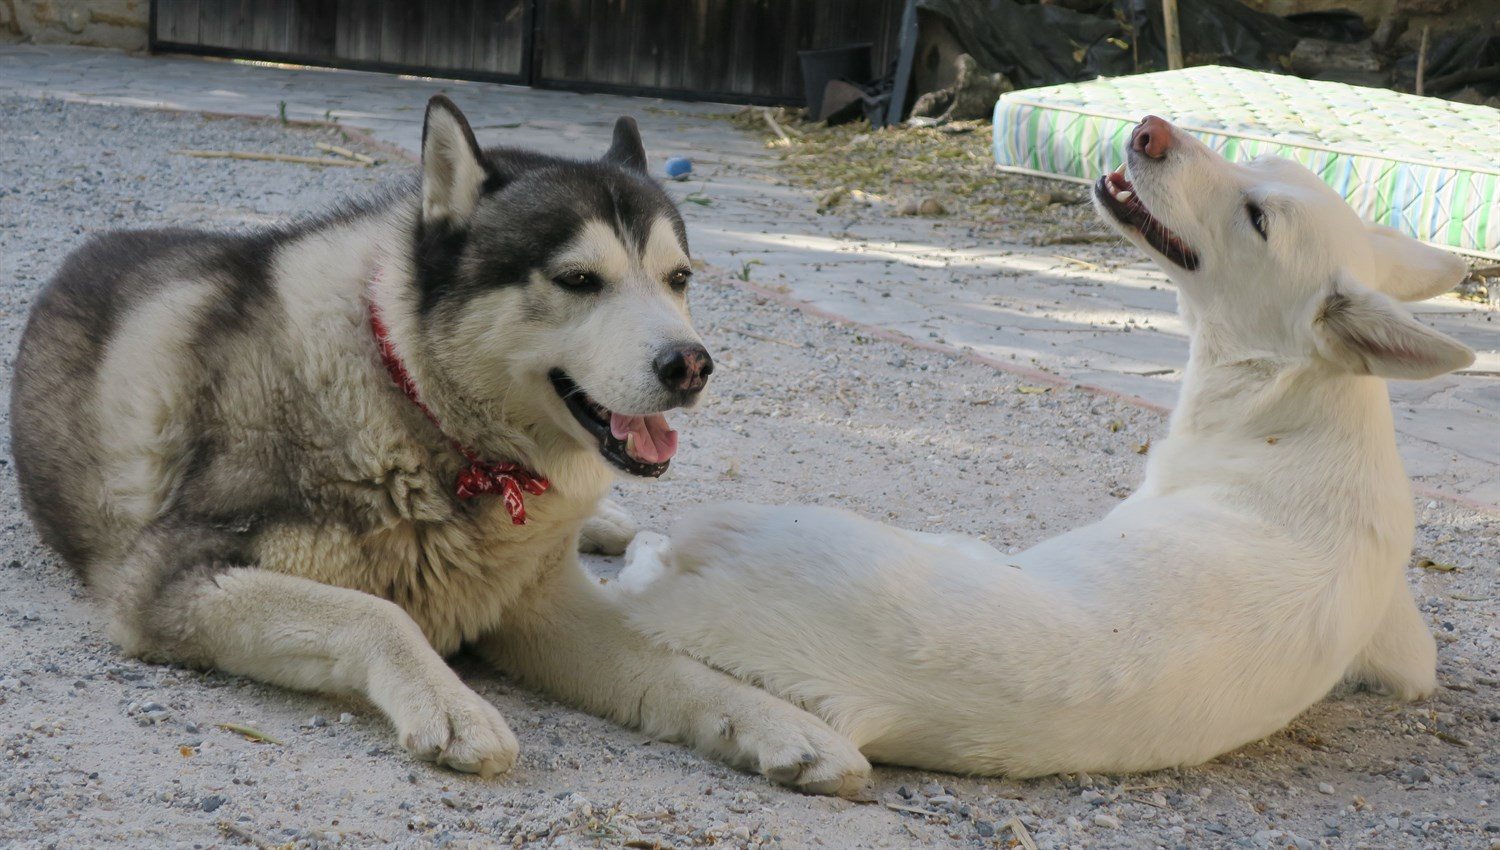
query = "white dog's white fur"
{"x": 1259, "y": 563}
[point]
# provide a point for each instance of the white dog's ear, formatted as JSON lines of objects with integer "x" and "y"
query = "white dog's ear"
{"x": 626, "y": 150}
{"x": 1409, "y": 270}
{"x": 453, "y": 172}
{"x": 1368, "y": 333}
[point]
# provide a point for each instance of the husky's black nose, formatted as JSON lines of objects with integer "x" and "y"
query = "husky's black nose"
{"x": 684, "y": 368}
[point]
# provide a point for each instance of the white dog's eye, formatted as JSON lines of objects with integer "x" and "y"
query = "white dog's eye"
{"x": 679, "y": 278}
{"x": 1257, "y": 218}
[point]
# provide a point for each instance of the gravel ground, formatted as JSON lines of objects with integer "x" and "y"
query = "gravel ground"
{"x": 99, "y": 750}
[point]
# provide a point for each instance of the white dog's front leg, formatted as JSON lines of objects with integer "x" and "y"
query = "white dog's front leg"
{"x": 645, "y": 561}
{"x": 1401, "y": 659}
{"x": 573, "y": 642}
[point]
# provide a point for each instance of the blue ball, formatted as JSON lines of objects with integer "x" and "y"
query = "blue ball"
{"x": 679, "y": 167}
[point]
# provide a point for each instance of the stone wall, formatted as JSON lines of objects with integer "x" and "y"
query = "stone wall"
{"x": 93, "y": 23}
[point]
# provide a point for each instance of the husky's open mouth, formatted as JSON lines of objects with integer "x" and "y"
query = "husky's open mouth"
{"x": 1118, "y": 195}
{"x": 639, "y": 445}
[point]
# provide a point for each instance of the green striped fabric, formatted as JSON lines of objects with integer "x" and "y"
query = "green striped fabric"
{"x": 1425, "y": 166}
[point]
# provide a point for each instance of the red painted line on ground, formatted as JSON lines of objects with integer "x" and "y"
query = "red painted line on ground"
{"x": 888, "y": 335}
{"x": 1427, "y": 492}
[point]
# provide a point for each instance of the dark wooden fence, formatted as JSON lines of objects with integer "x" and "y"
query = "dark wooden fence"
{"x": 728, "y": 50}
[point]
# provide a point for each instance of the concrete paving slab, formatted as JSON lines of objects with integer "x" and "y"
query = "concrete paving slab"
{"x": 1062, "y": 309}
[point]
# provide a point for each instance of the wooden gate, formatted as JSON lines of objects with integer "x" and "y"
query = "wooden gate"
{"x": 478, "y": 39}
{"x": 726, "y": 50}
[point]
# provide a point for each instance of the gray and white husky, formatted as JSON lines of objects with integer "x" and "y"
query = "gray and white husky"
{"x": 327, "y": 455}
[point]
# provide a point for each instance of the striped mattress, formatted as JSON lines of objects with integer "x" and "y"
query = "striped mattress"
{"x": 1428, "y": 167}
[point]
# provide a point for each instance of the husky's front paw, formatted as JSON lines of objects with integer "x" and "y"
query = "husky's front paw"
{"x": 794, "y": 748}
{"x": 608, "y": 531}
{"x": 462, "y": 731}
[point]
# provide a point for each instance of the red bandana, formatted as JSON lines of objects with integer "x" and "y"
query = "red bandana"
{"x": 508, "y": 480}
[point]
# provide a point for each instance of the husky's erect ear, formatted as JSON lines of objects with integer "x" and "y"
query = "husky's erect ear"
{"x": 1371, "y": 334}
{"x": 626, "y": 150}
{"x": 453, "y": 172}
{"x": 1410, "y": 270}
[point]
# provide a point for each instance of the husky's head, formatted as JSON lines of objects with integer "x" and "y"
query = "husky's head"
{"x": 1268, "y": 259}
{"x": 553, "y": 293}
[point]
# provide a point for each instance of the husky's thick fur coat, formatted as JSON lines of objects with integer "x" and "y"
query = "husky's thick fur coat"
{"x": 204, "y": 427}
{"x": 1259, "y": 563}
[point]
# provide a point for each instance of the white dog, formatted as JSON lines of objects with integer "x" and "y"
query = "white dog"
{"x": 1258, "y": 565}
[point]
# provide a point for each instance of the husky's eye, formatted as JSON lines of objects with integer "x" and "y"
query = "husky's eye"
{"x": 1257, "y": 218}
{"x": 679, "y": 278}
{"x": 579, "y": 281}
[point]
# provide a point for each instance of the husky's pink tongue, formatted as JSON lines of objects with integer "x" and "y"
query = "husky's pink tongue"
{"x": 648, "y": 439}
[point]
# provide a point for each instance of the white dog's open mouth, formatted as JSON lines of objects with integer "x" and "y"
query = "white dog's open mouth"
{"x": 1118, "y": 195}
{"x": 639, "y": 445}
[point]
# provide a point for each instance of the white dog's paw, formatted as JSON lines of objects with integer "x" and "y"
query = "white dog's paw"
{"x": 645, "y": 561}
{"x": 1413, "y": 687}
{"x": 1401, "y": 660}
{"x": 460, "y": 730}
{"x": 792, "y": 747}
{"x": 1408, "y": 682}
{"x": 608, "y": 531}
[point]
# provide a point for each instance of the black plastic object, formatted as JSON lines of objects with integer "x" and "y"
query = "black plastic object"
{"x": 1019, "y": 40}
{"x": 1339, "y": 25}
{"x": 851, "y": 63}
{"x": 1038, "y": 45}
{"x": 1456, "y": 62}
{"x": 1217, "y": 32}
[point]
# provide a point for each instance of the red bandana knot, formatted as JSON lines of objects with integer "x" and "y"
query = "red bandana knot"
{"x": 507, "y": 480}
{"x": 510, "y": 481}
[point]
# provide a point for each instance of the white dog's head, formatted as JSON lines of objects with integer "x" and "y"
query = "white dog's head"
{"x": 1269, "y": 260}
